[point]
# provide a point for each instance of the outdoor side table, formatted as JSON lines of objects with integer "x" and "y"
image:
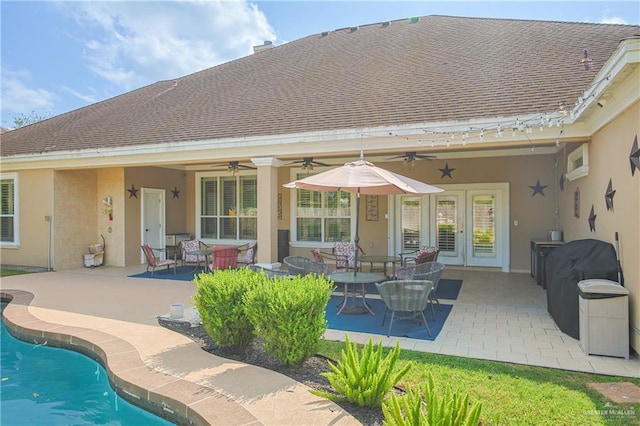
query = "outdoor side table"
{"x": 349, "y": 279}
{"x": 384, "y": 260}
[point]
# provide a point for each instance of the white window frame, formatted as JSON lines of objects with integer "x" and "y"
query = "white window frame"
{"x": 294, "y": 218}
{"x": 581, "y": 154}
{"x": 198, "y": 185}
{"x": 16, "y": 211}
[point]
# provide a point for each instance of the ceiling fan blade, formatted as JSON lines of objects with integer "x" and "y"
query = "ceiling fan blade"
{"x": 318, "y": 163}
{"x": 425, "y": 156}
{"x": 397, "y": 157}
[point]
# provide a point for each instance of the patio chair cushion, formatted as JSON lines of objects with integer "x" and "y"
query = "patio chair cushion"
{"x": 224, "y": 257}
{"x": 345, "y": 254}
{"x": 249, "y": 255}
{"x": 427, "y": 254}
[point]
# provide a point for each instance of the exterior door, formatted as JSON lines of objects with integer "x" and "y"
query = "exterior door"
{"x": 484, "y": 243}
{"x": 469, "y": 223}
{"x": 153, "y": 218}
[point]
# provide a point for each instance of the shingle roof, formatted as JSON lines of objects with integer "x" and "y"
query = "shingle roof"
{"x": 438, "y": 69}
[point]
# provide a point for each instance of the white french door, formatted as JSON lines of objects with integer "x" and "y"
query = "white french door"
{"x": 469, "y": 223}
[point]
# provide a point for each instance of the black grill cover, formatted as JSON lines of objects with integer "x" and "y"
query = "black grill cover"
{"x": 565, "y": 267}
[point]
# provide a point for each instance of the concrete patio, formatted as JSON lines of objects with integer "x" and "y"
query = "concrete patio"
{"x": 497, "y": 316}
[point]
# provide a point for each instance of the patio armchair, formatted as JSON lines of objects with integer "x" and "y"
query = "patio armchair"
{"x": 247, "y": 253}
{"x": 408, "y": 297}
{"x": 431, "y": 271}
{"x": 343, "y": 254}
{"x": 154, "y": 261}
{"x": 224, "y": 257}
{"x": 422, "y": 255}
{"x": 187, "y": 246}
{"x": 298, "y": 265}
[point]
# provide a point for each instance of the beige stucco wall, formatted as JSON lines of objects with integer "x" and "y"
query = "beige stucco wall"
{"x": 110, "y": 182}
{"x": 75, "y": 218}
{"x": 609, "y": 159}
{"x": 35, "y": 201}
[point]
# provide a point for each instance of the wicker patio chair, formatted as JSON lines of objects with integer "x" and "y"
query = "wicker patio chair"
{"x": 431, "y": 271}
{"x": 298, "y": 265}
{"x": 423, "y": 255}
{"x": 409, "y": 297}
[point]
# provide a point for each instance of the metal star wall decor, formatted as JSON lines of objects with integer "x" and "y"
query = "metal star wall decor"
{"x": 133, "y": 192}
{"x": 634, "y": 157}
{"x": 175, "y": 192}
{"x": 538, "y": 188}
{"x": 592, "y": 220}
{"x": 608, "y": 196}
{"x": 561, "y": 182}
{"x": 446, "y": 171}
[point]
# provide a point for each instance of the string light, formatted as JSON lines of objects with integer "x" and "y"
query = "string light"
{"x": 447, "y": 136}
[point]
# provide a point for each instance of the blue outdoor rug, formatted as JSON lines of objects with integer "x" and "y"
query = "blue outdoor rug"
{"x": 183, "y": 273}
{"x": 372, "y": 324}
{"x": 447, "y": 289}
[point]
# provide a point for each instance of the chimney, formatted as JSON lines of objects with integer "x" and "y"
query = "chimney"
{"x": 267, "y": 45}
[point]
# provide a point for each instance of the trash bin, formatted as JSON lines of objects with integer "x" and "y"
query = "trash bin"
{"x": 604, "y": 318}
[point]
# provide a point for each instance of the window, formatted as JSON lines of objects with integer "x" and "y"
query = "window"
{"x": 228, "y": 207}
{"x": 578, "y": 163}
{"x": 8, "y": 209}
{"x": 322, "y": 216}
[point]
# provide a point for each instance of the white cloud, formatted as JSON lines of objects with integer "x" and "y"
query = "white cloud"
{"x": 84, "y": 97}
{"x": 613, "y": 20}
{"x": 136, "y": 43}
{"x": 608, "y": 19}
{"x": 20, "y": 97}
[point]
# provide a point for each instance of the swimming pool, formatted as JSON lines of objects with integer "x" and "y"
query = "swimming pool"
{"x": 46, "y": 385}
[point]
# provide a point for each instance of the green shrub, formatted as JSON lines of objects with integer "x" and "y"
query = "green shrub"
{"x": 289, "y": 315}
{"x": 451, "y": 409}
{"x": 220, "y": 302}
{"x": 364, "y": 379}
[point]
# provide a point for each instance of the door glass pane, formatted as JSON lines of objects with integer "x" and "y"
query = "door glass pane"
{"x": 484, "y": 231}
{"x": 410, "y": 223}
{"x": 447, "y": 220}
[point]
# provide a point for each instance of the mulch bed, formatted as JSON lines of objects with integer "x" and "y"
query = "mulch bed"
{"x": 308, "y": 373}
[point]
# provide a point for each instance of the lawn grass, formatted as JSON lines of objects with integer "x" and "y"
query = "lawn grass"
{"x": 9, "y": 272}
{"x": 513, "y": 394}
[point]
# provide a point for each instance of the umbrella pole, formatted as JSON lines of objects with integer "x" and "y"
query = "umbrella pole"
{"x": 357, "y": 237}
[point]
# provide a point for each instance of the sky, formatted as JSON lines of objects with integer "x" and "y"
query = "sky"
{"x": 58, "y": 56}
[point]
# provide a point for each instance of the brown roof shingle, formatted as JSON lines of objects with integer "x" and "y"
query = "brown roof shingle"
{"x": 438, "y": 69}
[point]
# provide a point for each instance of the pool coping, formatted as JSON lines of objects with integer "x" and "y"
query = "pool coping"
{"x": 172, "y": 398}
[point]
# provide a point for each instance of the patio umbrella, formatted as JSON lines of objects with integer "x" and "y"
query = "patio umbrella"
{"x": 362, "y": 177}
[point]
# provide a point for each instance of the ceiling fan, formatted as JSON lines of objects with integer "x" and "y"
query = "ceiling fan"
{"x": 307, "y": 163}
{"x": 410, "y": 157}
{"x": 234, "y": 166}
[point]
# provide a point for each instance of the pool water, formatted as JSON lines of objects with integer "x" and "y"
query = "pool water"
{"x": 42, "y": 385}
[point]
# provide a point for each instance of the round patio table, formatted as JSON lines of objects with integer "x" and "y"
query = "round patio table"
{"x": 349, "y": 279}
{"x": 202, "y": 252}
